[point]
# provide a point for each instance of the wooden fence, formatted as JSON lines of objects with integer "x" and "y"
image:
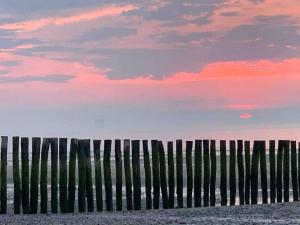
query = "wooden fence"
{"x": 184, "y": 178}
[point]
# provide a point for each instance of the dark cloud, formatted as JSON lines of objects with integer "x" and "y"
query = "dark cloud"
{"x": 51, "y": 78}
{"x": 10, "y": 63}
{"x": 229, "y": 14}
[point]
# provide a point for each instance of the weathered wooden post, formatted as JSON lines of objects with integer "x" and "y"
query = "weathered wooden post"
{"x": 254, "y": 172}
{"x": 63, "y": 177}
{"x": 171, "y": 174}
{"x": 272, "y": 171}
{"x": 89, "y": 180}
{"x": 16, "y": 175}
{"x": 189, "y": 173}
{"x": 25, "y": 174}
{"x": 72, "y": 174}
{"x": 81, "y": 176}
{"x": 223, "y": 170}
{"x": 4, "y": 141}
{"x": 136, "y": 175}
{"x": 179, "y": 173}
{"x": 148, "y": 180}
{"x": 107, "y": 175}
{"x": 197, "y": 173}
{"x": 163, "y": 175}
{"x": 156, "y": 173}
{"x": 248, "y": 172}
{"x": 294, "y": 170}
{"x": 128, "y": 179}
{"x": 213, "y": 172}
{"x": 44, "y": 175}
{"x": 299, "y": 166}
{"x": 54, "y": 166}
{"x": 206, "y": 173}
{"x": 240, "y": 164}
{"x": 98, "y": 175}
{"x": 263, "y": 172}
{"x": 34, "y": 184}
{"x": 279, "y": 170}
{"x": 119, "y": 183}
{"x": 232, "y": 172}
{"x": 286, "y": 171}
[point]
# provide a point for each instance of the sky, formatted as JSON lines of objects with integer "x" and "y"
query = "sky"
{"x": 167, "y": 69}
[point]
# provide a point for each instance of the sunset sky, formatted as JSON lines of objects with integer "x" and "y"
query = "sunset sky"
{"x": 223, "y": 69}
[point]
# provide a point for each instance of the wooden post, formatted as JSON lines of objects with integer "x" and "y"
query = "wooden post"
{"x": 286, "y": 171}
{"x": 279, "y": 170}
{"x": 4, "y": 140}
{"x": 189, "y": 173}
{"x": 248, "y": 172}
{"x": 163, "y": 175}
{"x": 197, "y": 173}
{"x": 254, "y": 172}
{"x": 299, "y": 166}
{"x": 179, "y": 173}
{"x": 44, "y": 176}
{"x": 89, "y": 180}
{"x": 54, "y": 166}
{"x": 156, "y": 174}
{"x": 148, "y": 179}
{"x": 128, "y": 179}
{"x": 98, "y": 175}
{"x": 272, "y": 171}
{"x": 294, "y": 170}
{"x": 213, "y": 172}
{"x": 72, "y": 174}
{"x": 206, "y": 173}
{"x": 63, "y": 177}
{"x": 16, "y": 175}
{"x": 107, "y": 175}
{"x": 263, "y": 172}
{"x": 240, "y": 164}
{"x": 34, "y": 184}
{"x": 119, "y": 183}
{"x": 25, "y": 174}
{"x": 171, "y": 174}
{"x": 223, "y": 170}
{"x": 232, "y": 175}
{"x": 136, "y": 175}
{"x": 81, "y": 176}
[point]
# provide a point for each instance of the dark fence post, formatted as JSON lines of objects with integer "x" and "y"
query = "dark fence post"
{"x": 16, "y": 175}
{"x": 197, "y": 173}
{"x": 189, "y": 172}
{"x": 179, "y": 173}
{"x": 213, "y": 172}
{"x": 240, "y": 164}
{"x": 107, "y": 175}
{"x": 223, "y": 170}
{"x": 171, "y": 172}
{"x": 272, "y": 171}
{"x": 147, "y": 168}
{"x": 128, "y": 179}
{"x": 4, "y": 140}
{"x": 98, "y": 174}
{"x": 254, "y": 172}
{"x": 279, "y": 170}
{"x": 263, "y": 172}
{"x": 25, "y": 174}
{"x": 89, "y": 180}
{"x": 54, "y": 166}
{"x": 299, "y": 166}
{"x": 72, "y": 174}
{"x": 294, "y": 170}
{"x": 286, "y": 171}
{"x": 44, "y": 176}
{"x": 248, "y": 172}
{"x": 119, "y": 183}
{"x": 34, "y": 184}
{"x": 136, "y": 175}
{"x": 232, "y": 174}
{"x": 81, "y": 176}
{"x": 206, "y": 173}
{"x": 63, "y": 177}
{"x": 156, "y": 174}
{"x": 163, "y": 175}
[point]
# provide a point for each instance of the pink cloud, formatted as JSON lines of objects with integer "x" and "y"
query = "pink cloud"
{"x": 246, "y": 116}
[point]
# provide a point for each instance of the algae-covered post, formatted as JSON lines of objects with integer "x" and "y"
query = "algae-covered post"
{"x": 147, "y": 168}
{"x": 294, "y": 170}
{"x": 25, "y": 174}
{"x": 206, "y": 173}
{"x": 119, "y": 183}
{"x": 4, "y": 141}
{"x": 63, "y": 177}
{"x": 163, "y": 175}
{"x": 81, "y": 176}
{"x": 128, "y": 179}
{"x": 197, "y": 173}
{"x": 155, "y": 172}
{"x": 107, "y": 175}
{"x": 89, "y": 181}
{"x": 272, "y": 171}
{"x": 16, "y": 175}
{"x": 72, "y": 174}
{"x": 248, "y": 172}
{"x": 213, "y": 172}
{"x": 171, "y": 172}
{"x": 254, "y": 172}
{"x": 223, "y": 170}
{"x": 179, "y": 173}
{"x": 286, "y": 171}
{"x": 189, "y": 173}
{"x": 136, "y": 175}
{"x": 279, "y": 170}
{"x": 98, "y": 175}
{"x": 263, "y": 172}
{"x": 44, "y": 175}
{"x": 232, "y": 172}
{"x": 240, "y": 164}
{"x": 54, "y": 166}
